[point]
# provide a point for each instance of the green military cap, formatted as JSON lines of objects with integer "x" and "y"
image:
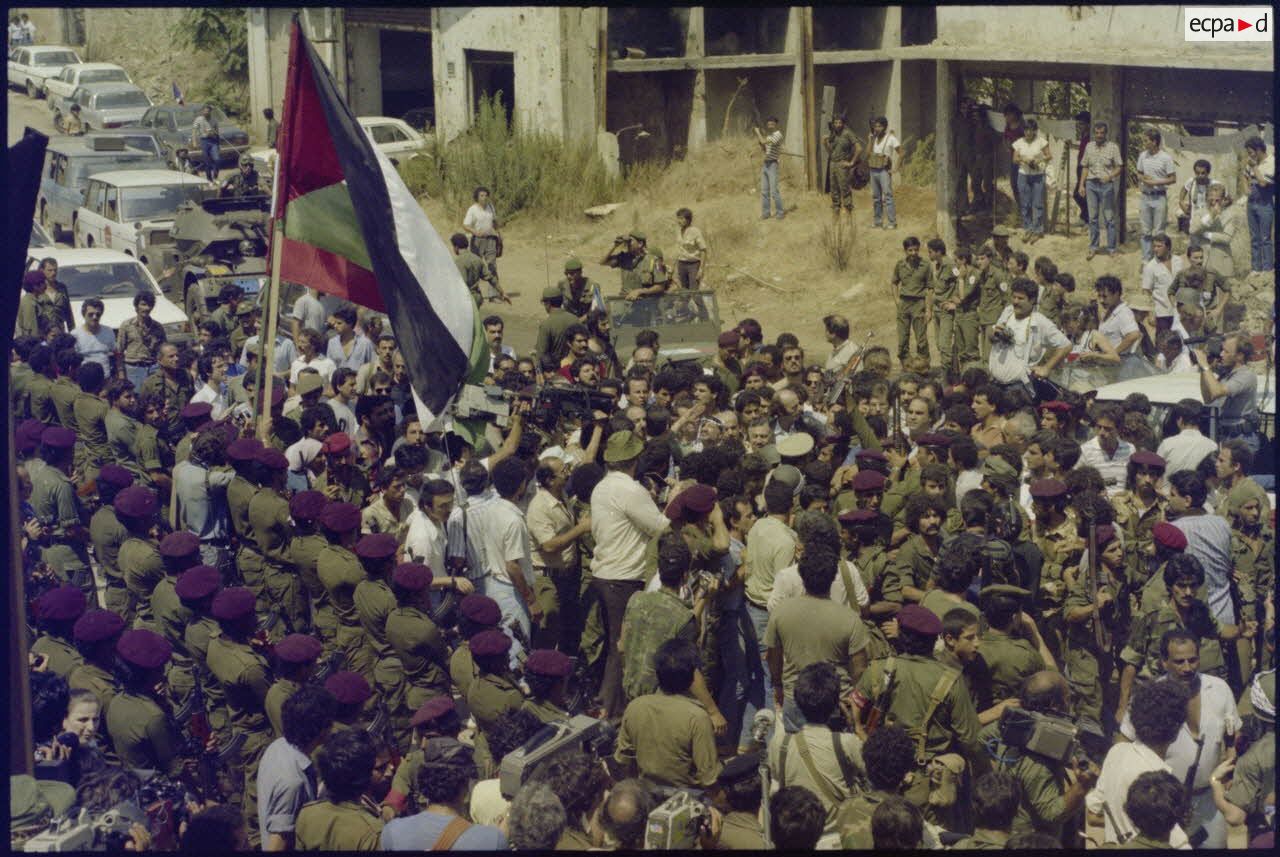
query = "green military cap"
{"x": 550, "y": 292}
{"x": 1001, "y": 232}
{"x": 245, "y": 308}
{"x": 622, "y": 446}
{"x": 33, "y": 801}
{"x": 573, "y": 263}
{"x": 770, "y": 455}
{"x": 638, "y": 235}
{"x": 1004, "y": 589}
{"x": 309, "y": 382}
{"x": 998, "y": 467}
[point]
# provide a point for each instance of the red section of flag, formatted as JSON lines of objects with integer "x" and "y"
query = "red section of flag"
{"x": 330, "y": 273}
{"x": 307, "y": 158}
{"x": 1242, "y": 24}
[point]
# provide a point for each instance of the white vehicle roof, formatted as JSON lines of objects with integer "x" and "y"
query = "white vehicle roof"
{"x": 1171, "y": 389}
{"x": 98, "y": 66}
{"x": 87, "y": 256}
{"x": 148, "y": 178}
{"x": 40, "y": 49}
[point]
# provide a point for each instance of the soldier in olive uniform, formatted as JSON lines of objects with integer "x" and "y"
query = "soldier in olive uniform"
{"x": 967, "y": 298}
{"x": 546, "y": 671}
{"x": 56, "y": 612}
{"x": 242, "y": 456}
{"x": 472, "y": 268}
{"x": 107, "y": 535}
{"x": 272, "y": 529}
{"x": 64, "y": 389}
{"x": 1007, "y": 659}
{"x": 90, "y": 411}
{"x": 930, "y": 702}
{"x": 944, "y": 278}
{"x": 44, "y": 369}
{"x": 224, "y": 316}
{"x": 1138, "y": 509}
{"x": 843, "y": 150}
{"x": 121, "y": 423}
{"x": 418, "y": 644}
{"x": 20, "y": 376}
{"x": 245, "y": 182}
{"x": 304, "y": 551}
{"x": 339, "y": 571}
{"x": 244, "y": 675}
{"x": 494, "y": 690}
{"x": 912, "y": 569}
{"x": 653, "y": 618}
{"x": 346, "y": 819}
{"x": 576, "y": 289}
{"x": 993, "y": 283}
{"x": 342, "y": 481}
{"x": 1253, "y": 556}
{"x": 141, "y": 725}
{"x": 551, "y": 330}
{"x": 180, "y": 552}
{"x": 436, "y": 718}
{"x": 737, "y": 797}
{"x": 96, "y": 634}
{"x": 246, "y": 326}
{"x": 1087, "y": 664}
{"x": 175, "y": 387}
{"x": 195, "y": 418}
{"x": 910, "y": 287}
{"x": 888, "y": 756}
{"x": 197, "y": 588}
{"x": 295, "y": 658}
{"x": 642, "y": 270}
{"x": 374, "y": 601}
{"x": 152, "y": 451}
{"x": 357, "y": 706}
{"x": 476, "y": 613}
{"x": 1054, "y": 533}
{"x": 56, "y": 505}
{"x": 140, "y": 562}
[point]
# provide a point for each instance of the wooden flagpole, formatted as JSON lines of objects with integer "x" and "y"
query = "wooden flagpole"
{"x": 267, "y": 340}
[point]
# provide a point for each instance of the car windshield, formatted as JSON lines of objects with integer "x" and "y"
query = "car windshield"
{"x": 669, "y": 309}
{"x": 145, "y": 142}
{"x": 104, "y": 75}
{"x": 159, "y": 201}
{"x": 108, "y": 280}
{"x": 39, "y": 238}
{"x": 186, "y": 116}
{"x": 55, "y": 58}
{"x": 110, "y": 100}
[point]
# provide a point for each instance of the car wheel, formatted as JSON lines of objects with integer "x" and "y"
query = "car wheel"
{"x": 88, "y": 242}
{"x": 32, "y": 92}
{"x": 45, "y": 221}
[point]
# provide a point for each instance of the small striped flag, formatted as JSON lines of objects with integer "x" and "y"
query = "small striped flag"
{"x": 177, "y": 93}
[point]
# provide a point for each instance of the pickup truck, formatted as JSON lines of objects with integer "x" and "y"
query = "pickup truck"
{"x": 75, "y": 76}
{"x": 30, "y": 66}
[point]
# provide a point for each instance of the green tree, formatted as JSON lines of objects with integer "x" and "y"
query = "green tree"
{"x": 223, "y": 33}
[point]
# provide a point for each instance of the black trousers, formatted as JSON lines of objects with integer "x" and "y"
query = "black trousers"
{"x": 613, "y": 595}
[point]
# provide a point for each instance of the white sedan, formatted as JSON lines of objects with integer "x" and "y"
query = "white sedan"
{"x": 133, "y": 210}
{"x": 113, "y": 278}
{"x": 82, "y": 74}
{"x": 393, "y": 137}
{"x": 31, "y": 65}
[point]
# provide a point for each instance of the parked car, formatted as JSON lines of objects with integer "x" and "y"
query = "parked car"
{"x": 83, "y": 74}
{"x": 113, "y": 278}
{"x": 134, "y": 139}
{"x": 393, "y": 137}
{"x": 31, "y": 65}
{"x": 420, "y": 119}
{"x": 171, "y": 123}
{"x": 133, "y": 211}
{"x": 103, "y": 105}
{"x": 1165, "y": 391}
{"x": 68, "y": 163}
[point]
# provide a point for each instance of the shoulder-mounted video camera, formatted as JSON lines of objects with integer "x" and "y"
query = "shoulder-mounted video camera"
{"x": 595, "y": 737}
{"x": 1051, "y": 737}
{"x": 676, "y": 823}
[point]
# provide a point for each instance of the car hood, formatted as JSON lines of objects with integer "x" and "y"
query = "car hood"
{"x": 117, "y": 310}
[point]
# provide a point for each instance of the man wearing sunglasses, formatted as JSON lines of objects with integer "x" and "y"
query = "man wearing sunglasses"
{"x": 94, "y": 342}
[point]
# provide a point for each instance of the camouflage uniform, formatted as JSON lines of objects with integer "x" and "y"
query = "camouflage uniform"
{"x": 651, "y": 619}
{"x": 1142, "y": 651}
{"x": 1088, "y": 669}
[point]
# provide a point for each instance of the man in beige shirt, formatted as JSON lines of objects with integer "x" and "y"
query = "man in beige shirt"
{"x": 771, "y": 547}
{"x": 554, "y": 535}
{"x": 1099, "y": 169}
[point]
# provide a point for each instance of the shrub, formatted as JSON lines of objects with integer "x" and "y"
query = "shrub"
{"x": 527, "y": 171}
{"x": 919, "y": 166}
{"x": 837, "y": 243}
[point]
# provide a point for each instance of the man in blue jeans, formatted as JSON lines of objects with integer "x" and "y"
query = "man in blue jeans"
{"x": 771, "y": 144}
{"x": 1261, "y": 172}
{"x": 1099, "y": 168}
{"x": 1155, "y": 174}
{"x": 205, "y": 129}
{"x": 884, "y": 151}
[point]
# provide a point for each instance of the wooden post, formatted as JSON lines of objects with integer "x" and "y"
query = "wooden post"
{"x": 267, "y": 338}
{"x": 947, "y": 166}
{"x": 811, "y": 171}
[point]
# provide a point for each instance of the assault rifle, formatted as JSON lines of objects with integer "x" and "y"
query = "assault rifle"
{"x": 1099, "y": 633}
{"x": 880, "y": 707}
{"x": 835, "y": 392}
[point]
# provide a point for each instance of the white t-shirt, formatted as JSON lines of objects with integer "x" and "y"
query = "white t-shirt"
{"x": 624, "y": 519}
{"x": 1119, "y": 324}
{"x": 344, "y": 415}
{"x": 501, "y": 536}
{"x": 1032, "y": 337}
{"x": 320, "y": 363}
{"x": 1218, "y": 718}
{"x": 96, "y": 347}
{"x": 479, "y": 219}
{"x": 309, "y": 312}
{"x": 1037, "y": 149}
{"x": 1156, "y": 278}
{"x": 886, "y": 146}
{"x": 214, "y": 397}
{"x": 425, "y": 541}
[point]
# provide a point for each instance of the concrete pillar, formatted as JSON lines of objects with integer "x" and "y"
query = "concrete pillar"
{"x": 891, "y": 35}
{"x": 260, "y": 72}
{"x": 1106, "y": 104}
{"x": 794, "y": 130}
{"x": 695, "y": 44}
{"x": 948, "y": 167}
{"x": 1023, "y": 94}
{"x": 893, "y": 100}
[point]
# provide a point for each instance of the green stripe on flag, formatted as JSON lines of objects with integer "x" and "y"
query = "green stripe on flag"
{"x": 472, "y": 430}
{"x": 326, "y": 219}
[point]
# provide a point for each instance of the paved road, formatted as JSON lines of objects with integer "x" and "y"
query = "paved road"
{"x": 23, "y": 113}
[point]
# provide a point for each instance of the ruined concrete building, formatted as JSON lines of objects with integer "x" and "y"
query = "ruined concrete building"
{"x": 686, "y": 76}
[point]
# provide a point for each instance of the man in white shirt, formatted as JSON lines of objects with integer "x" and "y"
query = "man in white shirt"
{"x": 307, "y": 313}
{"x": 1031, "y": 155}
{"x": 1119, "y": 326}
{"x": 884, "y": 155}
{"x": 842, "y": 348}
{"x": 1157, "y": 278}
{"x": 1211, "y": 708}
{"x": 1261, "y": 208}
{"x": 1188, "y": 447}
{"x": 1160, "y": 709}
{"x": 1194, "y": 197}
{"x": 1106, "y": 452}
{"x": 344, "y": 399}
{"x": 624, "y": 519}
{"x": 213, "y": 371}
{"x": 493, "y": 330}
{"x": 95, "y": 342}
{"x": 505, "y": 548}
{"x": 1024, "y": 342}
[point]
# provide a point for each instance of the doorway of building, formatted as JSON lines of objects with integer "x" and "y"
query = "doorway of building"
{"x": 492, "y": 74}
{"x": 405, "y": 66}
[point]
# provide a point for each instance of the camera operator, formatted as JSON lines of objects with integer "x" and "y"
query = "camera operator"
{"x": 536, "y": 819}
{"x": 1023, "y": 342}
{"x": 1158, "y": 715}
{"x": 1232, "y": 378}
{"x": 1052, "y": 792}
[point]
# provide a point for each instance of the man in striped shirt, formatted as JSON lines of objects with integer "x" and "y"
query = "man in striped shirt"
{"x": 772, "y": 146}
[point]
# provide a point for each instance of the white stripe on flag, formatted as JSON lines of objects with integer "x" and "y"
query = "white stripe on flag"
{"x": 431, "y": 263}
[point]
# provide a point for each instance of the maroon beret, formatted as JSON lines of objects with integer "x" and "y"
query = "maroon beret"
{"x": 1167, "y": 535}
{"x": 234, "y": 603}
{"x": 136, "y": 502}
{"x": 348, "y": 688}
{"x": 1058, "y": 407}
{"x": 921, "y": 620}
{"x": 27, "y": 435}
{"x": 179, "y": 544}
{"x": 1104, "y": 533}
{"x": 729, "y": 339}
{"x": 336, "y": 443}
{"x": 413, "y": 576}
{"x": 62, "y": 604}
{"x": 244, "y": 449}
{"x": 1145, "y": 458}
{"x": 307, "y": 505}
{"x": 1047, "y": 489}
{"x": 271, "y": 458}
{"x": 548, "y": 662}
{"x": 377, "y": 546}
{"x": 115, "y": 475}
{"x": 96, "y": 626}
{"x": 144, "y": 649}
{"x": 857, "y": 516}
{"x": 197, "y": 413}
{"x": 435, "y": 708}
{"x": 490, "y": 643}
{"x": 298, "y": 649}
{"x": 199, "y": 581}
{"x": 480, "y": 609}
{"x": 871, "y": 454}
{"x": 57, "y": 437}
{"x": 340, "y": 517}
{"x": 698, "y": 498}
{"x": 868, "y": 480}
{"x": 933, "y": 439}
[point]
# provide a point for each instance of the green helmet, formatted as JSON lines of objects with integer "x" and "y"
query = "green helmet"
{"x": 246, "y": 160}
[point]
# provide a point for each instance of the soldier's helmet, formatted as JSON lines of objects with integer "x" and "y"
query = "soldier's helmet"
{"x": 246, "y": 160}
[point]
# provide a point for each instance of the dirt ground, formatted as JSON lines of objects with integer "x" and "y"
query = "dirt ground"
{"x": 720, "y": 184}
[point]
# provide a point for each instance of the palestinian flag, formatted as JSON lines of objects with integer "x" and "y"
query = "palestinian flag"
{"x": 353, "y": 229}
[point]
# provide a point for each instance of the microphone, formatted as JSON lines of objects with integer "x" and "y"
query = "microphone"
{"x": 762, "y": 725}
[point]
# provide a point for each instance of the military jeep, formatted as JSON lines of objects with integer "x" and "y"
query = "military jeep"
{"x": 687, "y": 322}
{"x": 217, "y": 241}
